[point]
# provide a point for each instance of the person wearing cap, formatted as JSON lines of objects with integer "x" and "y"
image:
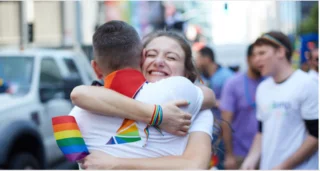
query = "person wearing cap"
{"x": 287, "y": 110}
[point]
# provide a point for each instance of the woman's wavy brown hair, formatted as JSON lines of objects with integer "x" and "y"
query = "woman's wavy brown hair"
{"x": 190, "y": 69}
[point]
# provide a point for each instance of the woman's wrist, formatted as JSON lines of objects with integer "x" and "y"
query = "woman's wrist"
{"x": 147, "y": 112}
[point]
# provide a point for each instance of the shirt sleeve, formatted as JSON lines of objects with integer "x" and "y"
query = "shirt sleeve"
{"x": 259, "y": 112}
{"x": 203, "y": 123}
{"x": 176, "y": 88}
{"x": 79, "y": 116}
{"x": 228, "y": 100}
{"x": 309, "y": 101}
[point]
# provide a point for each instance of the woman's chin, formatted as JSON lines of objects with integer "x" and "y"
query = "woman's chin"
{"x": 155, "y": 78}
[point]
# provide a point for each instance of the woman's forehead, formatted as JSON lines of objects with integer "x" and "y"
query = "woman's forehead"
{"x": 165, "y": 43}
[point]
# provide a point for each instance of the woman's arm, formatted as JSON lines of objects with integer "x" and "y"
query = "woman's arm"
{"x": 194, "y": 157}
{"x": 108, "y": 102}
{"x": 209, "y": 98}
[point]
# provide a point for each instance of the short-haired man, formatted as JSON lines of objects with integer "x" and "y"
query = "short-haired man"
{"x": 287, "y": 110}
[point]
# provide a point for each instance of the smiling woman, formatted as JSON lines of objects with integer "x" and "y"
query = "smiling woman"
{"x": 167, "y": 54}
{"x": 163, "y": 61}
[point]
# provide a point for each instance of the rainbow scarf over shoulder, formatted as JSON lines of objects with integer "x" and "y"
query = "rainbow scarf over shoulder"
{"x": 69, "y": 138}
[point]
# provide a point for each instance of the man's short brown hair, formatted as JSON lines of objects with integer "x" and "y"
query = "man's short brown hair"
{"x": 117, "y": 45}
{"x": 276, "y": 39}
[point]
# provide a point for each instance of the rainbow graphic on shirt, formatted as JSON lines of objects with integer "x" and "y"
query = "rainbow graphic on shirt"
{"x": 127, "y": 133}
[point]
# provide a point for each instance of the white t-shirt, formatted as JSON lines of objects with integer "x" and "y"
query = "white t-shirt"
{"x": 314, "y": 74}
{"x": 104, "y": 133}
{"x": 282, "y": 108}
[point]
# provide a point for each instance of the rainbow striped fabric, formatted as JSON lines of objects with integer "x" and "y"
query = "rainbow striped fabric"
{"x": 127, "y": 82}
{"x": 69, "y": 138}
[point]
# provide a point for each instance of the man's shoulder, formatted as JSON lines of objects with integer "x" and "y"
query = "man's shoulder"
{"x": 226, "y": 71}
{"x": 236, "y": 79}
{"x": 266, "y": 83}
{"x": 305, "y": 80}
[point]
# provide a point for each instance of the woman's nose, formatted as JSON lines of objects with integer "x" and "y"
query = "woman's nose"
{"x": 159, "y": 61}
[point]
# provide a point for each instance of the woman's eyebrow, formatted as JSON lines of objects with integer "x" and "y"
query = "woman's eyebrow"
{"x": 147, "y": 50}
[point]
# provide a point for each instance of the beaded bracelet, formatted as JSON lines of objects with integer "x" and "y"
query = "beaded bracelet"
{"x": 156, "y": 120}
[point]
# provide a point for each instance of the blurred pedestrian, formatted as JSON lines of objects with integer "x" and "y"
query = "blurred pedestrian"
{"x": 238, "y": 108}
{"x": 287, "y": 110}
{"x": 214, "y": 76}
{"x": 313, "y": 59}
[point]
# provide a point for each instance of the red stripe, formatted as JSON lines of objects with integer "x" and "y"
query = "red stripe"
{"x": 125, "y": 81}
{"x": 63, "y": 119}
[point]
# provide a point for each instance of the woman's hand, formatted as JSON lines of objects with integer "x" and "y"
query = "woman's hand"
{"x": 98, "y": 160}
{"x": 175, "y": 121}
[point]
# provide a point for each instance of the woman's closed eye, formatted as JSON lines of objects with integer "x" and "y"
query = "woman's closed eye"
{"x": 171, "y": 58}
{"x": 151, "y": 55}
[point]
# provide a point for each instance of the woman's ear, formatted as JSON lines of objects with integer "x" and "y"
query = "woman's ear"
{"x": 97, "y": 69}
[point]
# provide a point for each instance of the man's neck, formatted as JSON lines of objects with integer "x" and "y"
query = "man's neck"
{"x": 252, "y": 75}
{"x": 211, "y": 69}
{"x": 283, "y": 73}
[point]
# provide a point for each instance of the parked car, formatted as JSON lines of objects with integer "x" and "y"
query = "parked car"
{"x": 40, "y": 82}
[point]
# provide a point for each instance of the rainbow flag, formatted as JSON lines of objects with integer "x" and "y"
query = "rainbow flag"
{"x": 69, "y": 138}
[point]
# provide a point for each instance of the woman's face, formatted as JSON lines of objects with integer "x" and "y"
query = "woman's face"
{"x": 164, "y": 57}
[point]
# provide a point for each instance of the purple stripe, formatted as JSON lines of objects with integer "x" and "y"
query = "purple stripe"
{"x": 76, "y": 156}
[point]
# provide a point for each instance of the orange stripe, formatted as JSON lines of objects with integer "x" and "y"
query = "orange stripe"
{"x": 126, "y": 123}
{"x": 108, "y": 79}
{"x": 65, "y": 127}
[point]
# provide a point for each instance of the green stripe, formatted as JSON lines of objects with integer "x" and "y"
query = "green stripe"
{"x": 129, "y": 139}
{"x": 70, "y": 141}
{"x": 134, "y": 133}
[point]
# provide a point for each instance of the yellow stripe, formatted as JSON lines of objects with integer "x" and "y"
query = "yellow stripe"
{"x": 67, "y": 134}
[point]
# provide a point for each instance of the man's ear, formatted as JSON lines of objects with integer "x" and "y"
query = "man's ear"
{"x": 97, "y": 69}
{"x": 281, "y": 51}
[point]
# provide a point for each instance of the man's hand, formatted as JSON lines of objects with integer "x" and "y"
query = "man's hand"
{"x": 98, "y": 160}
{"x": 230, "y": 162}
{"x": 175, "y": 121}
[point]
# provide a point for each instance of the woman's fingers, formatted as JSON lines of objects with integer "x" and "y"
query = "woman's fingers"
{"x": 187, "y": 122}
{"x": 185, "y": 128}
{"x": 187, "y": 116}
{"x": 181, "y": 103}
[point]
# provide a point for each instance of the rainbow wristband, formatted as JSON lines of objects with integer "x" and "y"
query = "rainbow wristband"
{"x": 156, "y": 120}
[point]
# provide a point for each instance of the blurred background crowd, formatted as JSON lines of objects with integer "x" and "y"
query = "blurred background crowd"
{"x": 221, "y": 30}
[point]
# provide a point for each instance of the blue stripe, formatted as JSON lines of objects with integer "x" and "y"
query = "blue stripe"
{"x": 74, "y": 149}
